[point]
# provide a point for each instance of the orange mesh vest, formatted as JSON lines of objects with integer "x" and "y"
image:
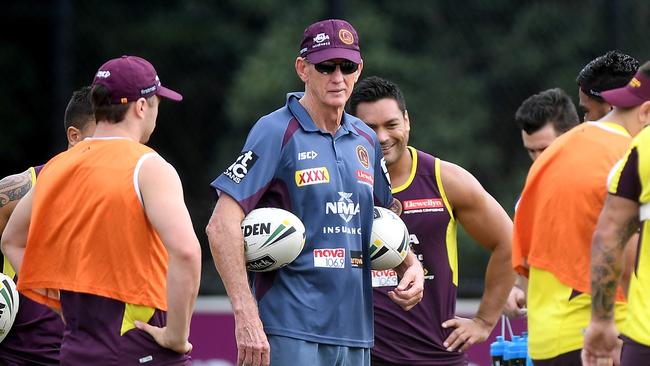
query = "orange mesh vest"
{"x": 564, "y": 193}
{"x": 89, "y": 232}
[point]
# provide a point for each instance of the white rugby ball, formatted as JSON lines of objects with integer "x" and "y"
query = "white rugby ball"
{"x": 389, "y": 241}
{"x": 9, "y": 302}
{"x": 273, "y": 238}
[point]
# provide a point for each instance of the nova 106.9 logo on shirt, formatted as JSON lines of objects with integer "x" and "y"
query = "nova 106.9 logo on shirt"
{"x": 329, "y": 257}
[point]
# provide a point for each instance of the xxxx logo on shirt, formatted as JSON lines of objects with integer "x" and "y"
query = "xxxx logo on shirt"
{"x": 307, "y": 177}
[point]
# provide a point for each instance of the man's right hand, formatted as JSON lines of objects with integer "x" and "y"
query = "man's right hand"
{"x": 602, "y": 345}
{"x": 252, "y": 345}
{"x": 163, "y": 338}
{"x": 516, "y": 304}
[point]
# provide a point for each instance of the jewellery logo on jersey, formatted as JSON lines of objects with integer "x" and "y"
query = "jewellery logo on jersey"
{"x": 238, "y": 170}
{"x": 365, "y": 177}
{"x": 386, "y": 277}
{"x": 362, "y": 155}
{"x": 424, "y": 205}
{"x": 329, "y": 258}
{"x": 307, "y": 177}
{"x": 307, "y": 155}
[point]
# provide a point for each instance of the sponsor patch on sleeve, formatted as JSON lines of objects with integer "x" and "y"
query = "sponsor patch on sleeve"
{"x": 238, "y": 170}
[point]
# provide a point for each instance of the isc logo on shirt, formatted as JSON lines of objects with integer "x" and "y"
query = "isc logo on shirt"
{"x": 329, "y": 258}
{"x": 307, "y": 177}
{"x": 386, "y": 277}
{"x": 307, "y": 155}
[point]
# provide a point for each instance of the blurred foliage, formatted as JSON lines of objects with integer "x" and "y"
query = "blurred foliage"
{"x": 464, "y": 66}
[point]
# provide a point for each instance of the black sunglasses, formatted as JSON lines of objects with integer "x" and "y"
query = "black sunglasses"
{"x": 328, "y": 67}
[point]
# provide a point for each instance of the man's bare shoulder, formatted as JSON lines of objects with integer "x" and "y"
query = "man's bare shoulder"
{"x": 14, "y": 187}
{"x": 460, "y": 185}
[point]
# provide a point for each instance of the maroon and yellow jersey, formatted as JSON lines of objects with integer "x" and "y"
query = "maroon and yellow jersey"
{"x": 35, "y": 337}
{"x": 415, "y": 337}
{"x": 631, "y": 179}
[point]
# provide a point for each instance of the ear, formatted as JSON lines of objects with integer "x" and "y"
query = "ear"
{"x": 644, "y": 114}
{"x": 302, "y": 69}
{"x": 74, "y": 135}
{"x": 358, "y": 73}
{"x": 407, "y": 121}
{"x": 139, "y": 107}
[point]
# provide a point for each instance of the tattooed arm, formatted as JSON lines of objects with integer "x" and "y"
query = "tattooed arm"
{"x": 12, "y": 189}
{"x": 618, "y": 221}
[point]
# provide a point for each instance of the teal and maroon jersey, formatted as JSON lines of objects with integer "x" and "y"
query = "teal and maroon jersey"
{"x": 35, "y": 337}
{"x": 331, "y": 182}
{"x": 415, "y": 337}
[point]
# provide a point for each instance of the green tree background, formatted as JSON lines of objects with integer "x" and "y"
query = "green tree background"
{"x": 464, "y": 66}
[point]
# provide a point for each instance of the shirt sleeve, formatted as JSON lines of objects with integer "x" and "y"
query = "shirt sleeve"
{"x": 248, "y": 177}
{"x": 624, "y": 180}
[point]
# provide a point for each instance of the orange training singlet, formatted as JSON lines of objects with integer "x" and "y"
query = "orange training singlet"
{"x": 89, "y": 232}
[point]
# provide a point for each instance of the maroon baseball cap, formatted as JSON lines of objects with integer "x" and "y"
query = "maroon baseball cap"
{"x": 330, "y": 39}
{"x": 633, "y": 94}
{"x": 129, "y": 78}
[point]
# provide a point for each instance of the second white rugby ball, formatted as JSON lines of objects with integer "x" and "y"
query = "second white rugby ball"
{"x": 273, "y": 238}
{"x": 9, "y": 302}
{"x": 389, "y": 242}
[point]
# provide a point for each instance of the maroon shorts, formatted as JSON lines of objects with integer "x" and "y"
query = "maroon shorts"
{"x": 634, "y": 353}
{"x": 92, "y": 335}
{"x": 566, "y": 359}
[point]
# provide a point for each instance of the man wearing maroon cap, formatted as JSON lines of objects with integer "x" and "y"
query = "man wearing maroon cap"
{"x": 626, "y": 209}
{"x": 110, "y": 244}
{"x": 554, "y": 225}
{"x": 325, "y": 166}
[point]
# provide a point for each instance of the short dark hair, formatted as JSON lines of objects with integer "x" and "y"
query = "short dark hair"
{"x": 105, "y": 110}
{"x": 372, "y": 89}
{"x": 550, "y": 106}
{"x": 79, "y": 110}
{"x": 609, "y": 71}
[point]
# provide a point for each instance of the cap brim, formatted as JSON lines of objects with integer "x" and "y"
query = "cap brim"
{"x": 169, "y": 94}
{"x": 622, "y": 97}
{"x": 334, "y": 53}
